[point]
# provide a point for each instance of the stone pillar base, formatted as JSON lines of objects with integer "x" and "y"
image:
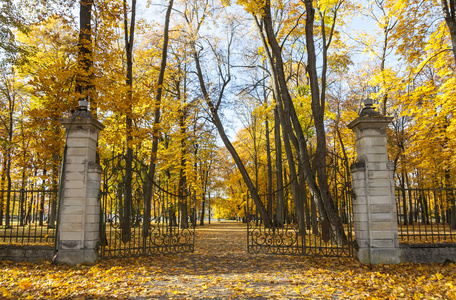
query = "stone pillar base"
{"x": 378, "y": 256}
{"x": 74, "y": 257}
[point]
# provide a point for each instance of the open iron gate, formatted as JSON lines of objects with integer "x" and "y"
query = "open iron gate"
{"x": 124, "y": 231}
{"x": 286, "y": 238}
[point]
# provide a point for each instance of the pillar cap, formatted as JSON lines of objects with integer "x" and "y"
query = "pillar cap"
{"x": 369, "y": 121}
{"x": 369, "y": 117}
{"x": 369, "y": 109}
{"x": 81, "y": 119}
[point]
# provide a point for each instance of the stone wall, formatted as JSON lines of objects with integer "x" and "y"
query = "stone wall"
{"x": 26, "y": 253}
{"x": 427, "y": 253}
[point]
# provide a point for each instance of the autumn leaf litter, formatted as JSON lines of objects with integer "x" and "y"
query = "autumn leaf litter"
{"x": 220, "y": 268}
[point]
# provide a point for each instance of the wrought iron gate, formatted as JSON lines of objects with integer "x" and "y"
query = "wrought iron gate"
{"x": 285, "y": 237}
{"x": 126, "y": 230}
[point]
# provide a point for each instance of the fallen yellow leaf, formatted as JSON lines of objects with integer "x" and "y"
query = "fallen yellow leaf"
{"x": 25, "y": 284}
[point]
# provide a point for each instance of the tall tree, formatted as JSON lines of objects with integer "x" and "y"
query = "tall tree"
{"x": 8, "y": 94}
{"x": 85, "y": 60}
{"x": 213, "y": 105}
{"x": 293, "y": 131}
{"x": 129, "y": 35}
{"x": 155, "y": 129}
{"x": 319, "y": 102}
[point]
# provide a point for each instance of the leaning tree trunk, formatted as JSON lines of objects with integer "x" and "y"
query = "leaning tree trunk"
{"x": 330, "y": 218}
{"x": 291, "y": 125}
{"x": 283, "y": 115}
{"x": 229, "y": 146}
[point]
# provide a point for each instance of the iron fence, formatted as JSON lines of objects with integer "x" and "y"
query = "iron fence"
{"x": 426, "y": 215}
{"x": 126, "y": 231}
{"x": 28, "y": 217}
{"x": 313, "y": 238}
{"x": 320, "y": 238}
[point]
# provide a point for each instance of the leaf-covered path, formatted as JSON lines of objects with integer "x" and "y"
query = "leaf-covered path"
{"x": 220, "y": 268}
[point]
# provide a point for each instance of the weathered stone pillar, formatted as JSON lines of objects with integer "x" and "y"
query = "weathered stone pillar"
{"x": 79, "y": 213}
{"x": 374, "y": 204}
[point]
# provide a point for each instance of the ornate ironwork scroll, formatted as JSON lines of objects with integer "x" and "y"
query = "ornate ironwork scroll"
{"x": 171, "y": 242}
{"x": 274, "y": 240}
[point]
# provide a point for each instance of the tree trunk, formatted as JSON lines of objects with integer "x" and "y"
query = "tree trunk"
{"x": 286, "y": 210}
{"x": 279, "y": 169}
{"x": 327, "y": 211}
{"x": 203, "y": 204}
{"x": 209, "y": 209}
{"x": 451, "y": 199}
{"x": 218, "y": 124}
{"x": 31, "y": 204}
{"x": 449, "y": 13}
{"x": 53, "y": 200}
{"x": 148, "y": 185}
{"x": 182, "y": 199}
{"x": 269, "y": 161}
{"x": 3, "y": 188}
{"x": 22, "y": 199}
{"x": 41, "y": 200}
{"x": 182, "y": 204}
{"x": 129, "y": 34}
{"x": 255, "y": 155}
{"x": 24, "y": 203}
{"x": 404, "y": 201}
{"x": 11, "y": 106}
{"x": 85, "y": 59}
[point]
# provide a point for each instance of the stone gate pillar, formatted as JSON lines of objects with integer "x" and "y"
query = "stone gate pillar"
{"x": 374, "y": 204}
{"x": 79, "y": 213}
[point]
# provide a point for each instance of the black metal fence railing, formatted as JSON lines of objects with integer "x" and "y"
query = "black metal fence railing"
{"x": 28, "y": 217}
{"x": 126, "y": 231}
{"x": 426, "y": 215}
{"x": 322, "y": 240}
{"x": 313, "y": 237}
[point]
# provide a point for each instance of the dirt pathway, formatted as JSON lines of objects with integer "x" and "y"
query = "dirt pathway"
{"x": 221, "y": 268}
{"x": 221, "y": 239}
